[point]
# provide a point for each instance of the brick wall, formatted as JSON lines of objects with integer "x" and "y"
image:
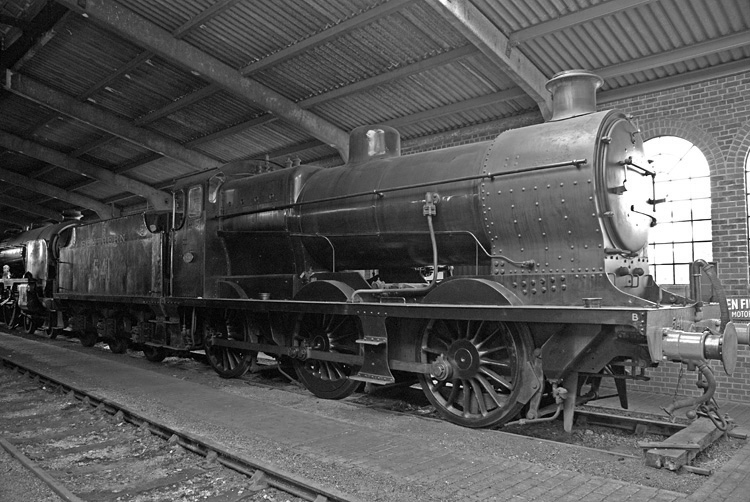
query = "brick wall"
{"x": 715, "y": 116}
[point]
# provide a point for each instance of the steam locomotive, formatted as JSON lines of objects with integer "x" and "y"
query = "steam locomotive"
{"x": 509, "y": 276}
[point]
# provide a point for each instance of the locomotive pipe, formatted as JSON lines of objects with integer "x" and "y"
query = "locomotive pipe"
{"x": 708, "y": 393}
{"x": 695, "y": 287}
{"x": 429, "y": 209}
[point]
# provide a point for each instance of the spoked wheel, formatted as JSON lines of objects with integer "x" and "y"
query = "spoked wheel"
{"x": 30, "y": 324}
{"x": 154, "y": 354}
{"x": 229, "y": 362}
{"x": 51, "y": 327}
{"x": 484, "y": 362}
{"x": 118, "y": 345}
{"x": 12, "y": 315}
{"x": 327, "y": 333}
{"x": 88, "y": 338}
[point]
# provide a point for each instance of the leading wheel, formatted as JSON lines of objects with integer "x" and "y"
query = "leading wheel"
{"x": 229, "y": 362}
{"x": 327, "y": 333}
{"x": 483, "y": 361}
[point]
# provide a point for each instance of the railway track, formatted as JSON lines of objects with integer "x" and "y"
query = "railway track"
{"x": 86, "y": 447}
{"x": 597, "y": 430}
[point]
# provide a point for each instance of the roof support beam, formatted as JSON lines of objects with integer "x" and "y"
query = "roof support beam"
{"x": 36, "y": 30}
{"x": 466, "y": 105}
{"x": 322, "y": 37}
{"x": 157, "y": 198}
{"x": 471, "y": 23}
{"x": 146, "y": 34}
{"x": 104, "y": 211}
{"x": 28, "y": 207}
{"x": 384, "y": 78}
{"x": 580, "y": 16}
{"x": 39, "y": 93}
{"x": 360, "y": 86}
{"x": 676, "y": 55}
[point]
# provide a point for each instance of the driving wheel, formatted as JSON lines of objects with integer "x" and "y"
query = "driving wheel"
{"x": 483, "y": 369}
{"x": 229, "y": 362}
{"x": 327, "y": 333}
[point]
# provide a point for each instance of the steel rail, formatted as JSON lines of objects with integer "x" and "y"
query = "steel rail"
{"x": 58, "y": 488}
{"x": 262, "y": 475}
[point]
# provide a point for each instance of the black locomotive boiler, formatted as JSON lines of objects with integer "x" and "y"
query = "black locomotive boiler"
{"x": 505, "y": 274}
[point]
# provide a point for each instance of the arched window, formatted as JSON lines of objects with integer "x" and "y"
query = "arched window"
{"x": 683, "y": 230}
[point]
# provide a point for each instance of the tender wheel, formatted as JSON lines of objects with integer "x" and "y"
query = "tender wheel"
{"x": 12, "y": 315}
{"x": 51, "y": 327}
{"x": 229, "y": 362}
{"x": 118, "y": 345}
{"x": 154, "y": 354}
{"x": 328, "y": 333}
{"x": 483, "y": 361}
{"x": 30, "y": 324}
{"x": 88, "y": 338}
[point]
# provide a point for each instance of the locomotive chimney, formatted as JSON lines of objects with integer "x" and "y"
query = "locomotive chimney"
{"x": 373, "y": 142}
{"x": 71, "y": 215}
{"x": 573, "y": 93}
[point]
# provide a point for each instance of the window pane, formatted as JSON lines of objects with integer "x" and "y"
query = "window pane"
{"x": 702, "y": 230}
{"x": 683, "y": 253}
{"x": 682, "y": 211}
{"x": 681, "y": 231}
{"x": 195, "y": 201}
{"x": 682, "y": 274}
{"x": 703, "y": 251}
{"x": 663, "y": 274}
{"x": 700, "y": 188}
{"x": 702, "y": 209}
{"x": 662, "y": 254}
{"x": 662, "y": 232}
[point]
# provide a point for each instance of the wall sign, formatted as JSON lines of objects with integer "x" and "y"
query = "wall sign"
{"x": 739, "y": 307}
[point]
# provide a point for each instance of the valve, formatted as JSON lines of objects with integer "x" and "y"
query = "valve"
{"x": 431, "y": 199}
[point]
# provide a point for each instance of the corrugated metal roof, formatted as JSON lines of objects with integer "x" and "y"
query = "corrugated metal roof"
{"x": 329, "y": 52}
